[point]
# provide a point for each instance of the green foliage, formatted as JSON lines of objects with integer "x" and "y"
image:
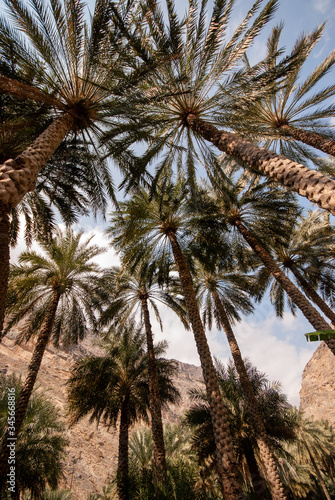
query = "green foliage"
{"x": 99, "y": 384}
{"x": 66, "y": 265}
{"x": 40, "y": 446}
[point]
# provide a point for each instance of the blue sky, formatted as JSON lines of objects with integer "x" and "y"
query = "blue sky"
{"x": 277, "y": 347}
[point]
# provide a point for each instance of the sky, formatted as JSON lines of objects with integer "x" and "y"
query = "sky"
{"x": 275, "y": 346}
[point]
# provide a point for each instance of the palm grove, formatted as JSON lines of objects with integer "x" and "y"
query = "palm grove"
{"x": 160, "y": 97}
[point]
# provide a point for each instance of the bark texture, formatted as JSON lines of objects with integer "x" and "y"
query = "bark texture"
{"x": 310, "y": 313}
{"x": 18, "y": 176}
{"x": 155, "y": 402}
{"x": 312, "y": 294}
{"x": 310, "y": 138}
{"x": 27, "y": 388}
{"x": 267, "y": 456}
{"x": 123, "y": 464}
{"x": 309, "y": 183}
{"x": 226, "y": 460}
{"x": 4, "y": 266}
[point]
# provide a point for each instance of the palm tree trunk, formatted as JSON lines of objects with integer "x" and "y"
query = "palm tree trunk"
{"x": 309, "y": 183}
{"x": 268, "y": 458}
{"x": 155, "y": 402}
{"x": 4, "y": 266}
{"x": 310, "y": 313}
{"x": 312, "y": 294}
{"x": 123, "y": 462}
{"x": 18, "y": 176}
{"x": 226, "y": 459}
{"x": 310, "y": 138}
{"x": 22, "y": 402}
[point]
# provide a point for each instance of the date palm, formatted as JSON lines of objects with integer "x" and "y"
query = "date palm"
{"x": 115, "y": 386}
{"x": 252, "y": 211}
{"x": 200, "y": 71}
{"x": 287, "y": 117}
{"x": 140, "y": 290}
{"x": 225, "y": 291}
{"x": 53, "y": 294}
{"x": 306, "y": 252}
{"x": 78, "y": 75}
{"x": 275, "y": 413}
{"x": 151, "y": 226}
{"x": 41, "y": 446}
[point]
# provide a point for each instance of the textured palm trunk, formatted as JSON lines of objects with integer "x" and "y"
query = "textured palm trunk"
{"x": 123, "y": 462}
{"x": 267, "y": 456}
{"x": 22, "y": 402}
{"x": 310, "y": 138}
{"x": 155, "y": 402}
{"x": 310, "y": 313}
{"x": 18, "y": 176}
{"x": 309, "y": 183}
{"x": 226, "y": 460}
{"x": 312, "y": 294}
{"x": 4, "y": 266}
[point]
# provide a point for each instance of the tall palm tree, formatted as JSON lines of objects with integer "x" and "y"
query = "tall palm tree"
{"x": 149, "y": 225}
{"x": 200, "y": 72}
{"x": 307, "y": 252}
{"x": 41, "y": 446}
{"x": 78, "y": 75}
{"x": 288, "y": 112}
{"x": 275, "y": 413}
{"x": 115, "y": 386}
{"x": 127, "y": 292}
{"x": 252, "y": 210}
{"x": 53, "y": 293}
{"x": 228, "y": 292}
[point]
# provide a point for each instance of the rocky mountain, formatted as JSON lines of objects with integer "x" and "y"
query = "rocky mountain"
{"x": 92, "y": 452}
{"x": 318, "y": 385}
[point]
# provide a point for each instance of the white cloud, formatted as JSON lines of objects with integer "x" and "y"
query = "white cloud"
{"x": 322, "y": 6}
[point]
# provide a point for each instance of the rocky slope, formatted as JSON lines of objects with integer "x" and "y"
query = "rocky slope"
{"x": 92, "y": 452}
{"x": 318, "y": 385}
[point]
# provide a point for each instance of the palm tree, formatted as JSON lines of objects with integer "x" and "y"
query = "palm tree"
{"x": 40, "y": 447}
{"x": 115, "y": 386}
{"x": 199, "y": 70}
{"x": 151, "y": 225}
{"x": 78, "y": 75}
{"x": 288, "y": 113}
{"x": 306, "y": 251}
{"x": 275, "y": 413}
{"x": 53, "y": 293}
{"x": 229, "y": 293}
{"x": 253, "y": 209}
{"x": 126, "y": 292}
{"x": 314, "y": 445}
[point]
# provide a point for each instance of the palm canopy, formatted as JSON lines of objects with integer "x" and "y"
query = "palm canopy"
{"x": 305, "y": 250}
{"x": 139, "y": 228}
{"x": 292, "y": 103}
{"x": 99, "y": 385}
{"x": 67, "y": 267}
{"x": 78, "y": 74}
{"x": 233, "y": 289}
{"x": 199, "y": 56}
{"x": 41, "y": 445}
{"x": 125, "y": 290}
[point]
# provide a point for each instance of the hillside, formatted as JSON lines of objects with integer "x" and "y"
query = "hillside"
{"x": 92, "y": 452}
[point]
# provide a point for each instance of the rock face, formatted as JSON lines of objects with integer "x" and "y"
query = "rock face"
{"x": 92, "y": 453}
{"x": 318, "y": 386}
